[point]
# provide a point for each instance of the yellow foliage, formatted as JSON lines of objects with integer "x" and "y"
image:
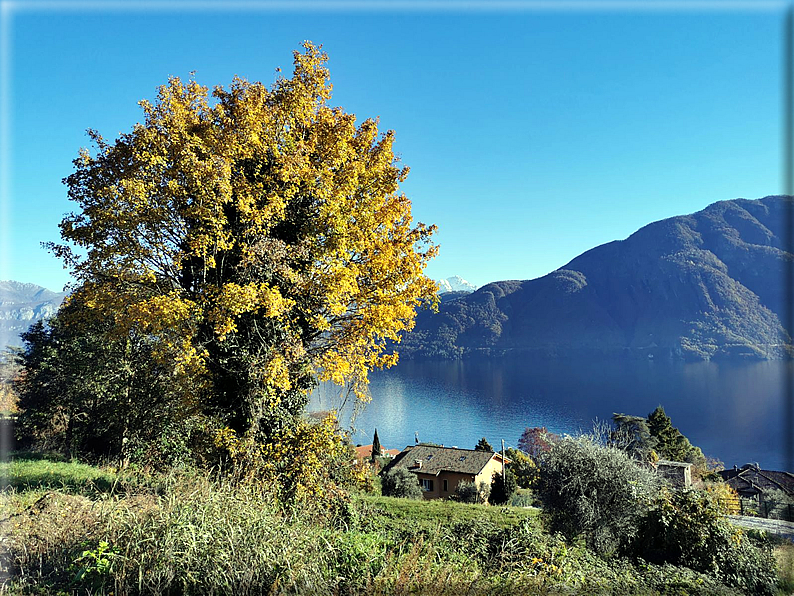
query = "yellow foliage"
{"x": 726, "y": 497}
{"x": 257, "y": 217}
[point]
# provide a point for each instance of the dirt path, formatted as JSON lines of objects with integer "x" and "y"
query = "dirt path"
{"x": 773, "y": 526}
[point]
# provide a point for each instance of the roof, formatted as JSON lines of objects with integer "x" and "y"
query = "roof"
{"x": 435, "y": 460}
{"x": 673, "y": 464}
{"x": 752, "y": 478}
{"x": 365, "y": 452}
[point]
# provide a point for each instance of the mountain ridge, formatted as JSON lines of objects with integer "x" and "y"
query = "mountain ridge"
{"x": 699, "y": 286}
{"x": 21, "y": 305}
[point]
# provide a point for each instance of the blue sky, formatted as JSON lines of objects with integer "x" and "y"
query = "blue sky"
{"x": 532, "y": 135}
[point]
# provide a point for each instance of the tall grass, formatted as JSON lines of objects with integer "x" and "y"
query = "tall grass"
{"x": 188, "y": 534}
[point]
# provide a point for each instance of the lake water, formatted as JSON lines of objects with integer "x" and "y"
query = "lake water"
{"x": 735, "y": 412}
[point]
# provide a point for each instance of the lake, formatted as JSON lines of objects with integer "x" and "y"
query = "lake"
{"x": 735, "y": 412}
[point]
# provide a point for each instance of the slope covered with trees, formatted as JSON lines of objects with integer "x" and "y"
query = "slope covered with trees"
{"x": 699, "y": 286}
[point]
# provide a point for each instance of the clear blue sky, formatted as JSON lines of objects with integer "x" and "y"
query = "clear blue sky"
{"x": 532, "y": 135}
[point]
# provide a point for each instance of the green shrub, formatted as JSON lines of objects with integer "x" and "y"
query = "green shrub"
{"x": 401, "y": 483}
{"x": 688, "y": 528}
{"x": 595, "y": 491}
{"x": 522, "y": 498}
{"x": 502, "y": 488}
{"x": 469, "y": 492}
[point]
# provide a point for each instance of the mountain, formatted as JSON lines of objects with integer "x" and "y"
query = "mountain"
{"x": 700, "y": 286}
{"x": 21, "y": 305}
{"x": 454, "y": 284}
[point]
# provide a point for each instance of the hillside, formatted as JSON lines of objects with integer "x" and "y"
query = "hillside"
{"x": 700, "y": 286}
{"x": 21, "y": 305}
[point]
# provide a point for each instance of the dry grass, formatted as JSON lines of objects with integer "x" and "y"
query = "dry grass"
{"x": 784, "y": 555}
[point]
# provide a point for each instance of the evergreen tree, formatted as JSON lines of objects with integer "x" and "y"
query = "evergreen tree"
{"x": 670, "y": 443}
{"x": 483, "y": 445}
{"x": 376, "y": 448}
{"x": 502, "y": 488}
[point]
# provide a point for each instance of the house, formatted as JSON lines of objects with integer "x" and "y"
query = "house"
{"x": 679, "y": 474}
{"x": 364, "y": 452}
{"x": 440, "y": 469}
{"x": 752, "y": 482}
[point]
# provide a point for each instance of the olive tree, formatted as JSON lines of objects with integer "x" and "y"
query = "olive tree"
{"x": 595, "y": 491}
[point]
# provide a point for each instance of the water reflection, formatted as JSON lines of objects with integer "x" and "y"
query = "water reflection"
{"x": 734, "y": 412}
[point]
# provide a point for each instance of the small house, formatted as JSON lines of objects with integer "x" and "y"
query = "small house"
{"x": 677, "y": 473}
{"x": 364, "y": 452}
{"x": 440, "y": 469}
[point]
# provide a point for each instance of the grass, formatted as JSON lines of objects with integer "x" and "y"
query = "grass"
{"x": 784, "y": 555}
{"x": 187, "y": 534}
{"x": 430, "y": 514}
{"x": 31, "y": 472}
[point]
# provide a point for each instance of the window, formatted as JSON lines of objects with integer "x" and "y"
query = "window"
{"x": 427, "y": 485}
{"x": 446, "y": 489}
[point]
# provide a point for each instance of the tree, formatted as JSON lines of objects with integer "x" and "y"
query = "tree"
{"x": 537, "y": 440}
{"x": 376, "y": 449}
{"x": 87, "y": 391}
{"x": 472, "y": 493}
{"x": 522, "y": 466}
{"x": 502, "y": 488}
{"x": 9, "y": 372}
{"x": 483, "y": 445}
{"x": 259, "y": 238}
{"x": 671, "y": 444}
{"x": 595, "y": 491}
{"x": 632, "y": 435}
{"x": 402, "y": 483}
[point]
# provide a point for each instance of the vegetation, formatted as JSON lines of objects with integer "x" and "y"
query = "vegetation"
{"x": 502, "y": 488}
{"x": 670, "y": 443}
{"x": 483, "y": 445}
{"x": 376, "y": 448}
{"x": 190, "y": 534}
{"x": 90, "y": 392}
{"x": 401, "y": 483}
{"x": 522, "y": 466}
{"x": 593, "y": 491}
{"x": 687, "y": 528}
{"x": 9, "y": 370}
{"x": 536, "y": 441}
{"x": 258, "y": 239}
{"x": 471, "y": 492}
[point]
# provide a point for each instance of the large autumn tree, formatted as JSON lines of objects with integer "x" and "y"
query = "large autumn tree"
{"x": 258, "y": 234}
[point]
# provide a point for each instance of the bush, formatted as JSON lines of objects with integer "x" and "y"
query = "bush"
{"x": 502, "y": 488}
{"x": 689, "y": 529}
{"x": 522, "y": 466}
{"x": 469, "y": 492}
{"x": 596, "y": 491}
{"x": 402, "y": 483}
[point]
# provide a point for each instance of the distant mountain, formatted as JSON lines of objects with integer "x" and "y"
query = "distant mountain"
{"x": 454, "y": 284}
{"x": 21, "y": 305}
{"x": 701, "y": 286}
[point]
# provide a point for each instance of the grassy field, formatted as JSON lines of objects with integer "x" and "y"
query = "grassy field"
{"x": 72, "y": 528}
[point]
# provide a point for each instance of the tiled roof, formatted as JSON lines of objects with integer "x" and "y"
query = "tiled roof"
{"x": 441, "y": 459}
{"x": 365, "y": 451}
{"x": 752, "y": 478}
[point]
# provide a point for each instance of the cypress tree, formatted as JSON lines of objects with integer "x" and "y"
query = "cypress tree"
{"x": 376, "y": 449}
